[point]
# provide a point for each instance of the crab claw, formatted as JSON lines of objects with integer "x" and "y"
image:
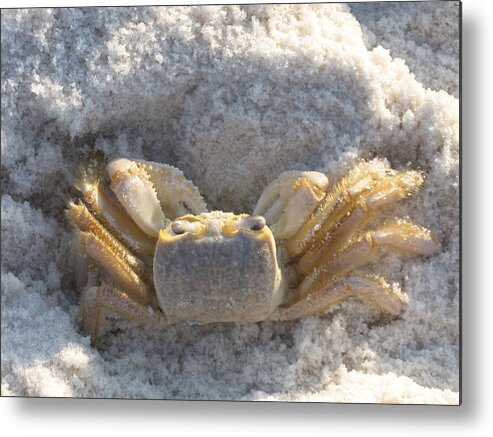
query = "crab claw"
{"x": 177, "y": 195}
{"x": 153, "y": 194}
{"x": 134, "y": 189}
{"x": 290, "y": 199}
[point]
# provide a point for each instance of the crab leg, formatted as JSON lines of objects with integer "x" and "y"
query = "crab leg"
{"x": 402, "y": 236}
{"x": 353, "y": 212}
{"x": 80, "y": 262}
{"x": 368, "y": 186}
{"x": 335, "y": 240}
{"x": 313, "y": 303}
{"x": 377, "y": 292}
{"x": 97, "y": 302}
{"x": 373, "y": 290}
{"x": 116, "y": 267}
{"x": 290, "y": 199}
{"x": 106, "y": 209}
{"x": 85, "y": 221}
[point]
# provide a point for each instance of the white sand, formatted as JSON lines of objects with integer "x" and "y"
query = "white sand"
{"x": 233, "y": 96}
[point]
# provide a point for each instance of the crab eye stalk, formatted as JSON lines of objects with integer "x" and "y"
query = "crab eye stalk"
{"x": 182, "y": 226}
{"x": 179, "y": 227}
{"x": 256, "y": 223}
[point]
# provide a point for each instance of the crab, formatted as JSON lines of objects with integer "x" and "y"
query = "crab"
{"x": 146, "y": 248}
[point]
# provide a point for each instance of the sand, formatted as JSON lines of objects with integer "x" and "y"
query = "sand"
{"x": 233, "y": 96}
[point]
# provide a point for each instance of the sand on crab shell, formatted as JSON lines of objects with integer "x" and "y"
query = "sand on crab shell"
{"x": 232, "y": 96}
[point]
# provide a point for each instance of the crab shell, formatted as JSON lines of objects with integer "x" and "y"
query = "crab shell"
{"x": 217, "y": 267}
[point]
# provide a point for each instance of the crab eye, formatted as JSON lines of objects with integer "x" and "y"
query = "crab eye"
{"x": 181, "y": 226}
{"x": 256, "y": 223}
{"x": 178, "y": 227}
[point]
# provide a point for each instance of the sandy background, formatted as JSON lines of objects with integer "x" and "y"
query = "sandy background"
{"x": 233, "y": 96}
